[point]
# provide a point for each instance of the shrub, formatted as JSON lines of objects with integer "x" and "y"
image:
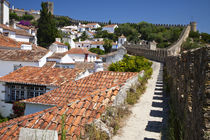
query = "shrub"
{"x": 2, "y": 119}
{"x": 97, "y": 51}
{"x": 25, "y": 23}
{"x": 18, "y": 109}
{"x": 131, "y": 64}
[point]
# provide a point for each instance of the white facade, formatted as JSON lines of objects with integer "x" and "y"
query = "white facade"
{"x": 57, "y": 48}
{"x": 8, "y": 66}
{"x": 4, "y": 7}
{"x": 5, "y": 108}
{"x": 22, "y": 38}
{"x": 109, "y": 29}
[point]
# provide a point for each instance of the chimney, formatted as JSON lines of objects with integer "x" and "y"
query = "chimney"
{"x": 98, "y": 66}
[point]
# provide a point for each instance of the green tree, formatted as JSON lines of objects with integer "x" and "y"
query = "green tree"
{"x": 14, "y": 16}
{"x": 84, "y": 36}
{"x": 97, "y": 51}
{"x": 27, "y": 17}
{"x": 107, "y": 45}
{"x": 47, "y": 31}
{"x": 110, "y": 22}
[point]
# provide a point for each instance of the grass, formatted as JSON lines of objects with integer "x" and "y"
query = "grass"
{"x": 134, "y": 95}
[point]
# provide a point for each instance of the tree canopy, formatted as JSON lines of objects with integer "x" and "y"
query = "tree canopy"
{"x": 47, "y": 31}
{"x": 107, "y": 45}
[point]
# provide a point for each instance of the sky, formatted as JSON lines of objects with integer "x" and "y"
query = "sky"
{"x": 121, "y": 11}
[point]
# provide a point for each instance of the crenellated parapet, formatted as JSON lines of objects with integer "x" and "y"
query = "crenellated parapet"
{"x": 159, "y": 54}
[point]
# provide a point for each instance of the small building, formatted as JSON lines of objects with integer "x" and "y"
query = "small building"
{"x": 93, "y": 25}
{"x": 110, "y": 28}
{"x": 121, "y": 40}
{"x": 16, "y": 34}
{"x": 115, "y": 56}
{"x": 81, "y": 55}
{"x": 58, "y": 47}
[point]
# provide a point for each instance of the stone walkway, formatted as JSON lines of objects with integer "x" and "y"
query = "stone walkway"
{"x": 149, "y": 115}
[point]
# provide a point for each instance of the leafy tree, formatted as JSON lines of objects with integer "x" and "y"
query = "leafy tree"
{"x": 107, "y": 45}
{"x": 47, "y": 31}
{"x": 205, "y": 38}
{"x": 97, "y": 51}
{"x": 105, "y": 34}
{"x": 62, "y": 21}
{"x": 14, "y": 16}
{"x": 110, "y": 22}
{"x": 27, "y": 17}
{"x": 127, "y": 30}
{"x": 67, "y": 44}
{"x": 84, "y": 36}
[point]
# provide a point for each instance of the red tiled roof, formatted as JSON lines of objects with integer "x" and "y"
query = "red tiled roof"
{"x": 8, "y": 42}
{"x": 25, "y": 27}
{"x": 17, "y": 31}
{"x": 33, "y": 55}
{"x": 77, "y": 115}
{"x": 79, "y": 51}
{"x": 76, "y": 90}
{"x": 110, "y": 26}
{"x": 41, "y": 76}
{"x": 57, "y": 55}
{"x": 50, "y": 64}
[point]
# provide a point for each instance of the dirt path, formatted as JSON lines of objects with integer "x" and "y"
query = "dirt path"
{"x": 149, "y": 114}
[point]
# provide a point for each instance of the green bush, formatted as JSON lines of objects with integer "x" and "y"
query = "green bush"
{"x": 97, "y": 51}
{"x": 2, "y": 119}
{"x": 27, "y": 17}
{"x": 131, "y": 64}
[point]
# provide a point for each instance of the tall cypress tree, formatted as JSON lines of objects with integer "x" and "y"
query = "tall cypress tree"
{"x": 47, "y": 31}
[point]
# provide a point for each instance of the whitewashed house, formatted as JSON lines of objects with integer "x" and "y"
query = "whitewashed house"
{"x": 93, "y": 25}
{"x": 28, "y": 82}
{"x": 82, "y": 55}
{"x": 93, "y": 44}
{"x": 58, "y": 47}
{"x": 110, "y": 28}
{"x": 16, "y": 34}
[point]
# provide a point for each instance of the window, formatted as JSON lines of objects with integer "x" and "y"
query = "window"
{"x": 98, "y": 47}
{"x": 19, "y": 92}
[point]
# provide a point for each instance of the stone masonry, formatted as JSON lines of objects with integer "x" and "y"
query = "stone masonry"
{"x": 189, "y": 91}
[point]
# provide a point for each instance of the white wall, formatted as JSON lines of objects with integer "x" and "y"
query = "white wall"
{"x": 5, "y": 108}
{"x": 58, "y": 48}
{"x": 66, "y": 59}
{"x": 22, "y": 38}
{"x": 8, "y": 66}
{"x": 33, "y": 108}
{"x": 6, "y": 13}
{"x": 77, "y": 57}
{"x": 43, "y": 60}
{"x": 95, "y": 46}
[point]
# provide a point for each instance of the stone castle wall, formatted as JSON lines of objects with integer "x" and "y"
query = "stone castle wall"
{"x": 189, "y": 91}
{"x": 159, "y": 54}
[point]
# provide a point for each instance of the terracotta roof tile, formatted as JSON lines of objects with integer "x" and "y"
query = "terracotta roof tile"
{"x": 17, "y": 31}
{"x": 79, "y": 51}
{"x": 8, "y": 42}
{"x": 41, "y": 76}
